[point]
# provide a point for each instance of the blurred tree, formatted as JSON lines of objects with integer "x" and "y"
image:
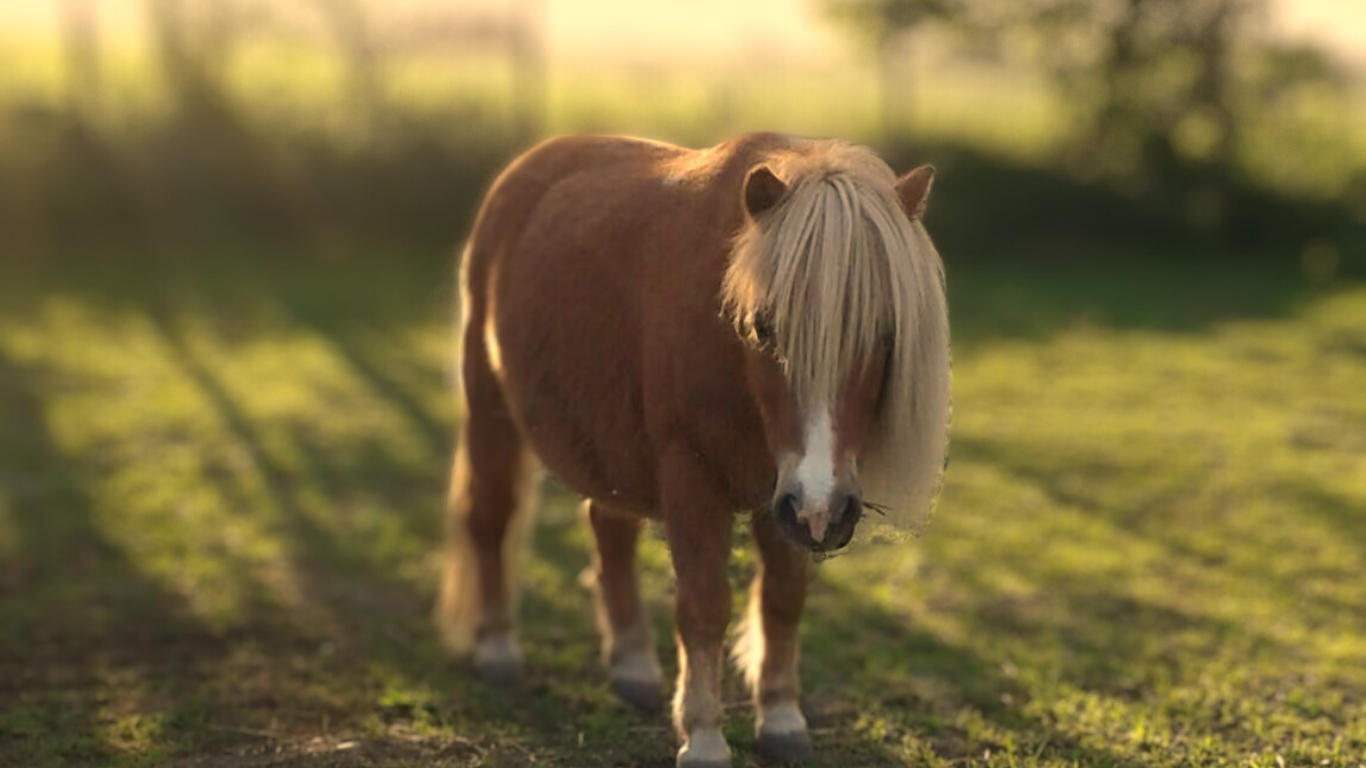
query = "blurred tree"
{"x": 1153, "y": 81}
{"x": 193, "y": 42}
{"x": 1159, "y": 89}
{"x": 885, "y": 26}
{"x": 513, "y": 29}
{"x": 349, "y": 23}
{"x": 80, "y": 39}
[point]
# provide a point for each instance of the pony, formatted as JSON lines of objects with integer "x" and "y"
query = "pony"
{"x": 688, "y": 336}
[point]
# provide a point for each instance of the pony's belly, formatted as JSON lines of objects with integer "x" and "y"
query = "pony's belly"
{"x": 588, "y": 431}
{"x": 596, "y": 466}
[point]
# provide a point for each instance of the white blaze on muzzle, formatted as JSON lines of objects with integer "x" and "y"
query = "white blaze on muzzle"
{"x": 816, "y": 473}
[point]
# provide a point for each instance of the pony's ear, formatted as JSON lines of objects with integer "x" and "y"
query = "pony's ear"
{"x": 914, "y": 189}
{"x": 763, "y": 190}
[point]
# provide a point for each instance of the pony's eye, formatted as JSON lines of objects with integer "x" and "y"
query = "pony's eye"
{"x": 762, "y": 327}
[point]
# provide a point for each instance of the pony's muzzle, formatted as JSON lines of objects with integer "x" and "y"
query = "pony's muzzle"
{"x": 818, "y": 527}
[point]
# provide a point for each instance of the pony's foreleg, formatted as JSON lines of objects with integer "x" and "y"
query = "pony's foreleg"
{"x": 627, "y": 643}
{"x": 767, "y": 647}
{"x": 490, "y": 512}
{"x": 698, "y": 527}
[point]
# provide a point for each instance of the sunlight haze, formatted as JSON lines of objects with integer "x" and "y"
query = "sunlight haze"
{"x": 685, "y": 31}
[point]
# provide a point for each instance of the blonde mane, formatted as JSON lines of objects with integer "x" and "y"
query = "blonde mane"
{"x": 836, "y": 269}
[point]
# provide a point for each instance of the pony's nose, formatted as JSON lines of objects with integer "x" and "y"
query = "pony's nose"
{"x": 819, "y": 527}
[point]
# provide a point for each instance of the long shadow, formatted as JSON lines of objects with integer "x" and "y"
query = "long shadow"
{"x": 1117, "y": 645}
{"x": 984, "y": 204}
{"x": 1174, "y": 535}
{"x": 80, "y": 624}
{"x": 1333, "y": 508}
{"x": 881, "y": 661}
{"x": 381, "y": 618}
{"x": 315, "y": 549}
{"x": 376, "y": 618}
{"x": 366, "y": 615}
{"x": 436, "y": 436}
{"x": 1347, "y": 519}
{"x": 1029, "y": 301}
{"x": 345, "y": 339}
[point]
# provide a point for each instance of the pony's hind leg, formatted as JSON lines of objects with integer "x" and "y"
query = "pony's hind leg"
{"x": 489, "y": 513}
{"x": 766, "y": 649}
{"x": 627, "y": 643}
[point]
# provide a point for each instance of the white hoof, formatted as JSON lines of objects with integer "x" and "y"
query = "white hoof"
{"x": 498, "y": 659}
{"x": 705, "y": 748}
{"x": 782, "y": 719}
{"x": 638, "y": 680}
{"x": 783, "y": 737}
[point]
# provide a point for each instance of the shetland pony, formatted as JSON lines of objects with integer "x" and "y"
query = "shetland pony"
{"x": 687, "y": 336}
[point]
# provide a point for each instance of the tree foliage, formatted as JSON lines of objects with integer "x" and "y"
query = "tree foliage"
{"x": 1158, "y": 87}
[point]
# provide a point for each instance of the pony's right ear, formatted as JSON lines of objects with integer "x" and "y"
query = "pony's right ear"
{"x": 914, "y": 189}
{"x": 763, "y": 190}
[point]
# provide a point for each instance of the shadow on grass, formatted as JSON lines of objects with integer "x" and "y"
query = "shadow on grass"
{"x": 1032, "y": 302}
{"x": 935, "y": 689}
{"x": 1333, "y": 508}
{"x": 78, "y": 614}
{"x": 344, "y": 333}
{"x": 1155, "y": 517}
{"x": 913, "y": 690}
{"x": 378, "y": 621}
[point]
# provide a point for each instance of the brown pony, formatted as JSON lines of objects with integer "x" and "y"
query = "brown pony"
{"x": 686, "y": 335}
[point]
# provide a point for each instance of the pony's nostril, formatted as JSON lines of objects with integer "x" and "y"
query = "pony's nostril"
{"x": 851, "y": 510}
{"x": 785, "y": 512}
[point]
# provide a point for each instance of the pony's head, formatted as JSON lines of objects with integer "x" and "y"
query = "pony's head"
{"x": 837, "y": 294}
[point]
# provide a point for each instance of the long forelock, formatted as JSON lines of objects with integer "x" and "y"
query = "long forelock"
{"x": 836, "y": 270}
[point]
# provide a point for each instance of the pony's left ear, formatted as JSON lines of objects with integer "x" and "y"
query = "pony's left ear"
{"x": 763, "y": 190}
{"x": 914, "y": 189}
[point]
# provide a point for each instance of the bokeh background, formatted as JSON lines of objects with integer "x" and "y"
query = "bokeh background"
{"x": 1063, "y": 125}
{"x": 227, "y": 241}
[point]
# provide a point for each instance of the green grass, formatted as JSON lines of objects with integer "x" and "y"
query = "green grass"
{"x": 220, "y": 492}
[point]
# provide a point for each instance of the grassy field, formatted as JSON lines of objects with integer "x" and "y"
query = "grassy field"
{"x": 220, "y": 492}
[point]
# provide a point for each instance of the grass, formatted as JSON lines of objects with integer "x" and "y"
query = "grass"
{"x": 220, "y": 491}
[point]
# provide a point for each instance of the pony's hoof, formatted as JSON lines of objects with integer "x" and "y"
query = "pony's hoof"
{"x": 498, "y": 661}
{"x": 783, "y": 737}
{"x": 641, "y": 694}
{"x": 704, "y": 749}
{"x": 785, "y": 748}
{"x": 638, "y": 681}
{"x": 499, "y": 673}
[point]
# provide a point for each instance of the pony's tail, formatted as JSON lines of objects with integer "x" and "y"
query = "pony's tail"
{"x": 457, "y": 604}
{"x": 458, "y": 609}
